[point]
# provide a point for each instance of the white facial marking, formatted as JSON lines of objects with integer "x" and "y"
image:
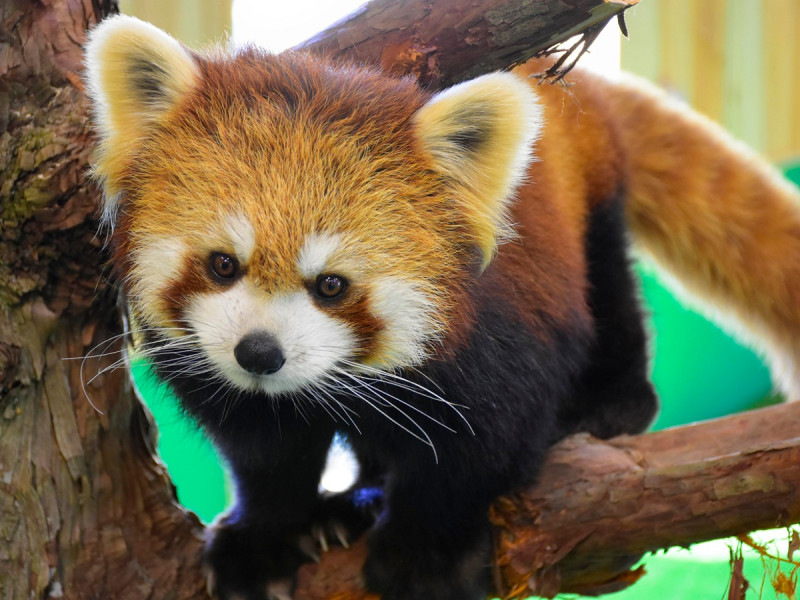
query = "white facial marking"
{"x": 157, "y": 262}
{"x": 316, "y": 252}
{"x": 311, "y": 341}
{"x": 407, "y": 315}
{"x": 242, "y": 236}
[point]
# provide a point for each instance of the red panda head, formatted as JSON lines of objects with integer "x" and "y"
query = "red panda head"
{"x": 291, "y": 216}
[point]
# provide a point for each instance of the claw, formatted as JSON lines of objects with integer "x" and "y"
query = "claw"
{"x": 341, "y": 534}
{"x": 307, "y": 546}
{"x": 319, "y": 534}
{"x": 211, "y": 582}
{"x": 279, "y": 590}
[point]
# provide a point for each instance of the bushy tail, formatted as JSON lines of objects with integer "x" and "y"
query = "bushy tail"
{"x": 717, "y": 217}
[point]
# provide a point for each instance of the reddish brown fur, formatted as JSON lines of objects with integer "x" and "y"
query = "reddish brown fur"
{"x": 272, "y": 128}
{"x": 195, "y": 279}
{"x": 356, "y": 312}
{"x": 578, "y": 166}
{"x": 709, "y": 210}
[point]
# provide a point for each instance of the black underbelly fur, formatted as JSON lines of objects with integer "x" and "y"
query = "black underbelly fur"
{"x": 510, "y": 395}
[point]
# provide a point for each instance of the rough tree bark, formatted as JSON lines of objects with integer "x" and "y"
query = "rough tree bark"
{"x": 85, "y": 509}
{"x": 442, "y": 43}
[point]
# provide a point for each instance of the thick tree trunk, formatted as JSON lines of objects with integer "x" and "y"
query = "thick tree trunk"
{"x": 85, "y": 509}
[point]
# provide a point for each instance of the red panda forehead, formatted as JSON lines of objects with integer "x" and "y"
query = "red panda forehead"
{"x": 295, "y": 86}
{"x": 282, "y": 149}
{"x": 294, "y": 126}
{"x": 379, "y": 197}
{"x": 299, "y": 119}
{"x": 294, "y": 147}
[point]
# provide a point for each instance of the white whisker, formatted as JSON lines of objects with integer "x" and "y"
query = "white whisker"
{"x": 422, "y": 436}
{"x": 391, "y": 397}
{"x": 411, "y": 386}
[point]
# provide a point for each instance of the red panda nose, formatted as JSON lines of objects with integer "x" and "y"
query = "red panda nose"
{"x": 259, "y": 353}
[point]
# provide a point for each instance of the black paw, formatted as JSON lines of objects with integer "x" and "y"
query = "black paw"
{"x": 405, "y": 570}
{"x": 243, "y": 562}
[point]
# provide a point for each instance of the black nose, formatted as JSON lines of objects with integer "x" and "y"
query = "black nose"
{"x": 259, "y": 353}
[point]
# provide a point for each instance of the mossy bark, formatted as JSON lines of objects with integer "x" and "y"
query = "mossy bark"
{"x": 85, "y": 509}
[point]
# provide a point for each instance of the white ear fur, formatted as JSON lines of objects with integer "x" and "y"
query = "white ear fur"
{"x": 135, "y": 74}
{"x": 481, "y": 133}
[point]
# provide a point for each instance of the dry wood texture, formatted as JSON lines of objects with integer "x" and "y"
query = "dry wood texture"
{"x": 85, "y": 509}
{"x": 444, "y": 42}
{"x": 599, "y": 505}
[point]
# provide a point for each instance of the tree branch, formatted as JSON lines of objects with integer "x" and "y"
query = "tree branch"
{"x": 441, "y": 43}
{"x": 599, "y": 505}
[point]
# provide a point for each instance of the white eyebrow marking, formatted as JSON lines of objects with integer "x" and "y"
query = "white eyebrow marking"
{"x": 242, "y": 236}
{"x": 316, "y": 252}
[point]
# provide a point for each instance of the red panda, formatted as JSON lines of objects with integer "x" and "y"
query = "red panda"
{"x": 308, "y": 247}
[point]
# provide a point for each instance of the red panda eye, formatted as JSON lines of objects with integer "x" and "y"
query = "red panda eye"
{"x": 224, "y": 266}
{"x": 330, "y": 286}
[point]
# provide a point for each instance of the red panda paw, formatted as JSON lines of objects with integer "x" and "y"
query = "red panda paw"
{"x": 245, "y": 562}
{"x": 406, "y": 570}
{"x": 341, "y": 518}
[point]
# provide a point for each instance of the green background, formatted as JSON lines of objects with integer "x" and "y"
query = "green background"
{"x": 698, "y": 370}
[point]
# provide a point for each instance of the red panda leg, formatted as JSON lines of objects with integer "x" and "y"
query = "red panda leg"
{"x": 433, "y": 543}
{"x": 266, "y": 536}
{"x": 613, "y": 394}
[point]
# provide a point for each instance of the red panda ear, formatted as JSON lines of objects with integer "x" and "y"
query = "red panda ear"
{"x": 480, "y": 134}
{"x": 135, "y": 74}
